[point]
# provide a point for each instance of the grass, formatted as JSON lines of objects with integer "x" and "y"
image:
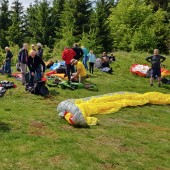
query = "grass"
{"x": 33, "y": 137}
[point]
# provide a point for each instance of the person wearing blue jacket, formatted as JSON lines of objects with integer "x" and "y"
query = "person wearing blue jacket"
{"x": 92, "y": 60}
{"x": 22, "y": 59}
{"x": 85, "y": 57}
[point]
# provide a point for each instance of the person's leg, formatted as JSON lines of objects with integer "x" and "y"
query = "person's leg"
{"x": 72, "y": 68}
{"x": 92, "y": 65}
{"x": 23, "y": 68}
{"x": 68, "y": 71}
{"x": 9, "y": 67}
{"x": 159, "y": 77}
{"x": 82, "y": 79}
{"x": 39, "y": 73}
{"x": 152, "y": 77}
{"x": 6, "y": 67}
{"x": 31, "y": 81}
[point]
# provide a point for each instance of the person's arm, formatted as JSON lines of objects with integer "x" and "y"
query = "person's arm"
{"x": 19, "y": 57}
{"x": 162, "y": 59}
{"x": 148, "y": 59}
{"x": 76, "y": 74}
{"x": 43, "y": 64}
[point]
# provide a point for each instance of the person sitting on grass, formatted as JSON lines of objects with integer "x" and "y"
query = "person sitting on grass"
{"x": 80, "y": 75}
{"x": 34, "y": 63}
{"x": 155, "y": 61}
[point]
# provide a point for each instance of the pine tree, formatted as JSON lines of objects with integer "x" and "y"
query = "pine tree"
{"x": 15, "y": 31}
{"x": 39, "y": 22}
{"x": 4, "y": 22}
{"x": 75, "y": 17}
{"x": 102, "y": 26}
{"x": 57, "y": 9}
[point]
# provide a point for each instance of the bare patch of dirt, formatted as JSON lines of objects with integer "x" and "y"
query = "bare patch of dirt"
{"x": 37, "y": 128}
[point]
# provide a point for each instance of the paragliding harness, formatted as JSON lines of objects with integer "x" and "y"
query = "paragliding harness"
{"x": 38, "y": 88}
{"x": 7, "y": 85}
{"x": 2, "y": 91}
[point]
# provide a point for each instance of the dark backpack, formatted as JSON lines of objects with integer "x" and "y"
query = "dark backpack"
{"x": 40, "y": 89}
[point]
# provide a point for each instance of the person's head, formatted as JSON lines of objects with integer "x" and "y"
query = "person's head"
{"x": 39, "y": 45}
{"x": 104, "y": 54}
{"x": 75, "y": 45}
{"x": 25, "y": 46}
{"x": 156, "y": 51}
{"x": 65, "y": 48}
{"x": 32, "y": 46}
{"x": 91, "y": 51}
{"x": 7, "y": 49}
{"x": 74, "y": 62}
{"x": 32, "y": 53}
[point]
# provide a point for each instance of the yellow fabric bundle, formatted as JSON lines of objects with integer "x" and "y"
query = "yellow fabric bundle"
{"x": 113, "y": 103}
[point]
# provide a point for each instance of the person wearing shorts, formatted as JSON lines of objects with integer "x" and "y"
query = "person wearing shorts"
{"x": 155, "y": 61}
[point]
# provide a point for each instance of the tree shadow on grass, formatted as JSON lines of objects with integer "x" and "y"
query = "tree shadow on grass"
{"x": 4, "y": 127}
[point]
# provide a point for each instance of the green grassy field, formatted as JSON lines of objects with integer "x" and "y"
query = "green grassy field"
{"x": 33, "y": 137}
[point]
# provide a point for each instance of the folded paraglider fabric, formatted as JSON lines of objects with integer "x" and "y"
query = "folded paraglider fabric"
{"x": 81, "y": 110}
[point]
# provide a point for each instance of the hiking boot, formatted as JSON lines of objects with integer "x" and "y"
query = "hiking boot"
{"x": 151, "y": 85}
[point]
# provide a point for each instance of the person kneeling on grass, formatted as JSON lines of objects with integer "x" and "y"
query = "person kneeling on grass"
{"x": 81, "y": 74}
{"x": 34, "y": 63}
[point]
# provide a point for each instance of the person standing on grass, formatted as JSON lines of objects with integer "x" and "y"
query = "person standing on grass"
{"x": 155, "y": 61}
{"x": 22, "y": 59}
{"x": 67, "y": 55}
{"x": 92, "y": 60}
{"x": 9, "y": 55}
{"x": 34, "y": 63}
{"x": 40, "y": 50}
{"x": 78, "y": 51}
{"x": 85, "y": 57}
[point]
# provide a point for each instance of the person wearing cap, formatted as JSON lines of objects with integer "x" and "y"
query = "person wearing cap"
{"x": 67, "y": 55}
{"x": 34, "y": 63}
{"x": 22, "y": 59}
{"x": 81, "y": 74}
{"x": 9, "y": 55}
{"x": 40, "y": 50}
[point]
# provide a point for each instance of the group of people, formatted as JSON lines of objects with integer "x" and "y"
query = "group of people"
{"x": 73, "y": 57}
{"x": 75, "y": 69}
{"x": 33, "y": 60}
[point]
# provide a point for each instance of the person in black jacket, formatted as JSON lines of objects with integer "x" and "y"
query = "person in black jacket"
{"x": 78, "y": 51}
{"x": 22, "y": 59}
{"x": 40, "y": 50}
{"x": 9, "y": 55}
{"x": 155, "y": 61}
{"x": 34, "y": 63}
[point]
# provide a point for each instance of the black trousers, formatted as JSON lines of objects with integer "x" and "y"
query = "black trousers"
{"x": 91, "y": 67}
{"x": 70, "y": 69}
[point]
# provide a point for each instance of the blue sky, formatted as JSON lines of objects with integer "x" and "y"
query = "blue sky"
{"x": 25, "y": 3}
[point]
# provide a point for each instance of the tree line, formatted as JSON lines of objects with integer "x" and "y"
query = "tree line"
{"x": 101, "y": 25}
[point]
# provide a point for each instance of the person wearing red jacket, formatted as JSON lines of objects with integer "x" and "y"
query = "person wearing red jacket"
{"x": 67, "y": 55}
